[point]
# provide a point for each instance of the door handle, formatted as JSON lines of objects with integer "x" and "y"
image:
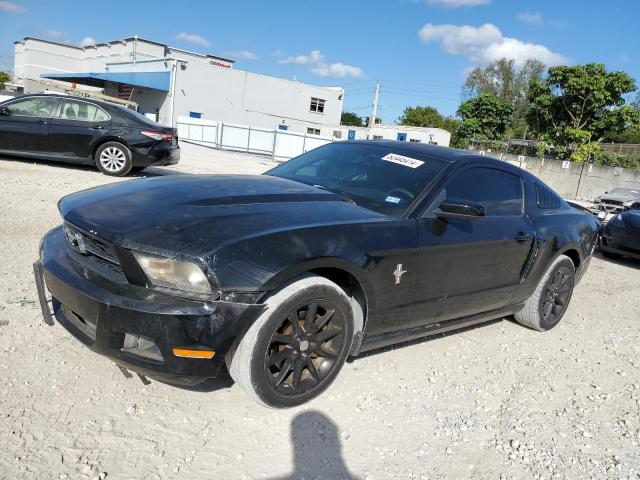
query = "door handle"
{"x": 42, "y": 122}
{"x": 523, "y": 237}
{"x": 97, "y": 127}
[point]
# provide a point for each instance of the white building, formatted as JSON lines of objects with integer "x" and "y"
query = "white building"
{"x": 404, "y": 133}
{"x": 168, "y": 82}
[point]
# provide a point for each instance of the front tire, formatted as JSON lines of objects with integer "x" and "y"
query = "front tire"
{"x": 548, "y": 303}
{"x": 113, "y": 159}
{"x": 297, "y": 346}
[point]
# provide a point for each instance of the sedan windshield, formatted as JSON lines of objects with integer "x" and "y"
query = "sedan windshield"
{"x": 378, "y": 177}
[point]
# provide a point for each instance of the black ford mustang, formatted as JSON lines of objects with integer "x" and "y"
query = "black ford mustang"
{"x": 90, "y": 132}
{"x": 347, "y": 248}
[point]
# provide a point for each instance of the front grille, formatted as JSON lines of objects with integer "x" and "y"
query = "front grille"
{"x": 613, "y": 202}
{"x": 89, "y": 245}
{"x": 95, "y": 253}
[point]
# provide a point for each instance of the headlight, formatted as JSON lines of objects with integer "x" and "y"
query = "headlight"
{"x": 170, "y": 273}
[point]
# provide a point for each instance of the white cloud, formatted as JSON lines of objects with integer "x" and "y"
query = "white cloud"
{"x": 242, "y": 54}
{"x": 57, "y": 36}
{"x": 318, "y": 66}
{"x": 10, "y": 7}
{"x": 313, "y": 58}
{"x": 195, "y": 39}
{"x": 530, "y": 18}
{"x": 337, "y": 70}
{"x": 459, "y": 3}
{"x": 87, "y": 42}
{"x": 486, "y": 44}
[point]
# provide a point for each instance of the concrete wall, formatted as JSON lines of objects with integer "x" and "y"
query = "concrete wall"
{"x": 575, "y": 180}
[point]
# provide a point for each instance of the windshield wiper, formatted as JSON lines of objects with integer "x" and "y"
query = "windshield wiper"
{"x": 343, "y": 196}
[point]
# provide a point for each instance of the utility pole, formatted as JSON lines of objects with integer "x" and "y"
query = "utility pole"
{"x": 372, "y": 118}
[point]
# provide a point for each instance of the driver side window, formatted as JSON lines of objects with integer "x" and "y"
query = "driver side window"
{"x": 33, "y": 107}
{"x": 499, "y": 192}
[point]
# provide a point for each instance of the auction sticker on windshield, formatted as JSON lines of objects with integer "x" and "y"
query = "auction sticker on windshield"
{"x": 402, "y": 160}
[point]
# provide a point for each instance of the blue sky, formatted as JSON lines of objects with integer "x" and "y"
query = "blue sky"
{"x": 420, "y": 50}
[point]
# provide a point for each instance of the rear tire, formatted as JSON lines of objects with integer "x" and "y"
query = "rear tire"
{"x": 550, "y": 300}
{"x": 297, "y": 346}
{"x": 113, "y": 159}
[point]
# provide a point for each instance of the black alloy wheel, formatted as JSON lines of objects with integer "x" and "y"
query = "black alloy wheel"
{"x": 305, "y": 348}
{"x": 557, "y": 294}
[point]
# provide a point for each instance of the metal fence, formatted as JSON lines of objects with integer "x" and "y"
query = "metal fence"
{"x": 279, "y": 144}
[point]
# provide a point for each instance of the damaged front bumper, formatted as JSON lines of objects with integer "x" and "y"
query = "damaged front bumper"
{"x": 136, "y": 327}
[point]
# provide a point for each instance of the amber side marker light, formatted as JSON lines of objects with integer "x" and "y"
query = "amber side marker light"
{"x": 193, "y": 353}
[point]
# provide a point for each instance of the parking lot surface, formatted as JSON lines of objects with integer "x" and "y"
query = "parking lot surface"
{"x": 497, "y": 401}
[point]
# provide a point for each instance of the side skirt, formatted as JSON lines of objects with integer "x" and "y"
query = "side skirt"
{"x": 379, "y": 341}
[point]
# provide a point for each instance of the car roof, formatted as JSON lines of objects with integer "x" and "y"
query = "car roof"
{"x": 447, "y": 154}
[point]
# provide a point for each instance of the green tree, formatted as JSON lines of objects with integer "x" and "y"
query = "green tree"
{"x": 4, "y": 79}
{"x": 365, "y": 121}
{"x": 505, "y": 81}
{"x": 351, "y": 119}
{"x": 422, "y": 117}
{"x": 485, "y": 117}
{"x": 577, "y": 105}
{"x": 430, "y": 117}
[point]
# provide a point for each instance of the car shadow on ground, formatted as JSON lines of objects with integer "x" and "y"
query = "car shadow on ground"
{"x": 317, "y": 452}
{"x": 623, "y": 262}
{"x": 135, "y": 173}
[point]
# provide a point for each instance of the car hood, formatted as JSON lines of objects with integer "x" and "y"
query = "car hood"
{"x": 195, "y": 215}
{"x": 616, "y": 198}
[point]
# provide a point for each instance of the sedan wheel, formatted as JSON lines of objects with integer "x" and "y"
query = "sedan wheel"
{"x": 297, "y": 346}
{"x": 113, "y": 159}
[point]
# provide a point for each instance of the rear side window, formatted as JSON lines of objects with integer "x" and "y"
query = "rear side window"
{"x": 499, "y": 192}
{"x": 82, "y": 111}
{"x": 546, "y": 199}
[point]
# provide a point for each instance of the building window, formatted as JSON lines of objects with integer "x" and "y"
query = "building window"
{"x": 317, "y": 105}
{"x": 313, "y": 131}
{"x": 337, "y": 134}
{"x": 377, "y": 137}
{"x": 414, "y": 140}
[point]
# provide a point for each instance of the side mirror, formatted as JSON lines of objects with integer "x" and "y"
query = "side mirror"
{"x": 453, "y": 208}
{"x": 4, "y": 112}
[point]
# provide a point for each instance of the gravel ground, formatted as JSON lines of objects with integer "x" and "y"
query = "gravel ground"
{"x": 493, "y": 402}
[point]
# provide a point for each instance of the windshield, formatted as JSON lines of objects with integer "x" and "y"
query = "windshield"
{"x": 626, "y": 191}
{"x": 378, "y": 177}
